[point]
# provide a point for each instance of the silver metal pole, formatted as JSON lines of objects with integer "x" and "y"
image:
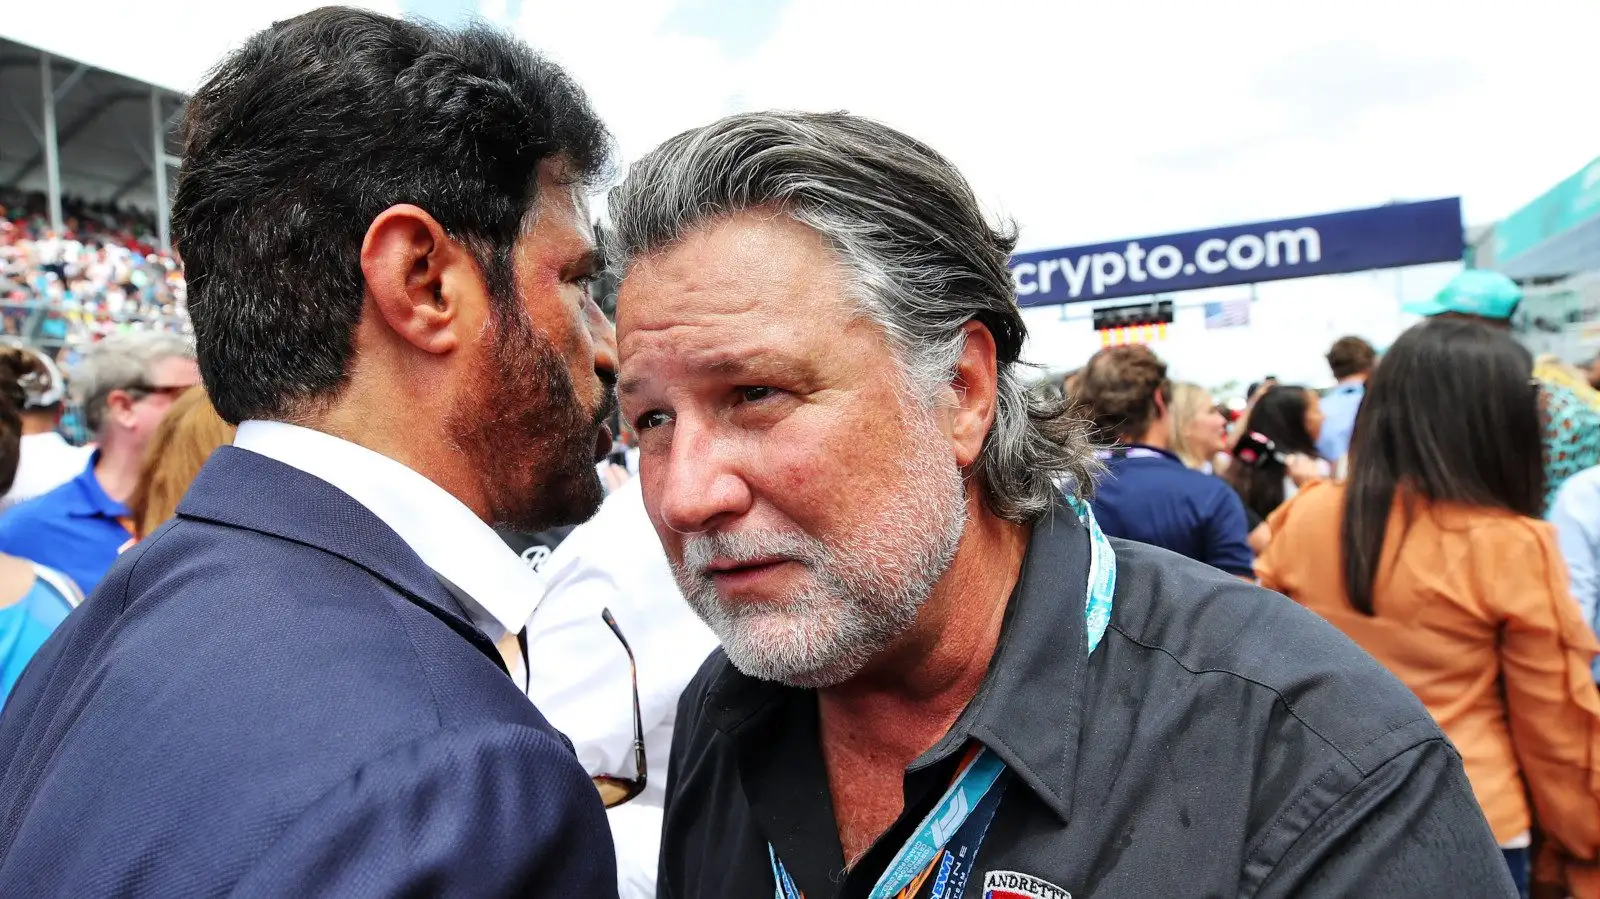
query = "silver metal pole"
{"x": 158, "y": 155}
{"x": 52, "y": 153}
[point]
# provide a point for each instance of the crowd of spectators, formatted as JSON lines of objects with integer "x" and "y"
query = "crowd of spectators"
{"x": 101, "y": 274}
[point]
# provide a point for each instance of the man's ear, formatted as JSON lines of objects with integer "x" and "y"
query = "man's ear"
{"x": 119, "y": 407}
{"x": 404, "y": 259}
{"x": 975, "y": 387}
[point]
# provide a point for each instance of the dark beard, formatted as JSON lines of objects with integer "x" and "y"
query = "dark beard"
{"x": 530, "y": 438}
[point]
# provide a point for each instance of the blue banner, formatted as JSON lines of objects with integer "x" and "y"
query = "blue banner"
{"x": 1358, "y": 240}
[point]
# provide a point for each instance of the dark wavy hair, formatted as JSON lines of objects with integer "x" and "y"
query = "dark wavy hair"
{"x": 302, "y": 137}
{"x": 1450, "y": 415}
{"x": 1280, "y": 416}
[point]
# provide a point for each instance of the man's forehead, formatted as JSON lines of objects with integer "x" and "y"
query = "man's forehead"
{"x": 566, "y": 207}
{"x": 711, "y": 351}
{"x": 734, "y": 293}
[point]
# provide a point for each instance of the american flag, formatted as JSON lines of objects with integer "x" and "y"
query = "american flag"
{"x": 1228, "y": 313}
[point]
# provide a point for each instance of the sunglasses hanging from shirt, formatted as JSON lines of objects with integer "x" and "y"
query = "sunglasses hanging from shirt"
{"x": 615, "y": 790}
{"x": 943, "y": 850}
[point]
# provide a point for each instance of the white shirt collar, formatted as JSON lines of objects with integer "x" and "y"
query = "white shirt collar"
{"x": 440, "y": 529}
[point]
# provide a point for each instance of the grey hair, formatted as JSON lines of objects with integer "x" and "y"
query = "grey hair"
{"x": 921, "y": 261}
{"x": 118, "y": 363}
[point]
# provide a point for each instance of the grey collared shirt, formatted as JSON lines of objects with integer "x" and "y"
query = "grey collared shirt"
{"x": 1221, "y": 741}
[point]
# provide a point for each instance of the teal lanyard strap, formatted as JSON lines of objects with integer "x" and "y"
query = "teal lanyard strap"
{"x": 979, "y": 776}
{"x": 1102, "y": 575}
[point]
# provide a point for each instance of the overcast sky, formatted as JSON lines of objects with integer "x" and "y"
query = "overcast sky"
{"x": 1083, "y": 122}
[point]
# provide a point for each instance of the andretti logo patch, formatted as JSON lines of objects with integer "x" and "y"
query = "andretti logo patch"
{"x": 1015, "y": 885}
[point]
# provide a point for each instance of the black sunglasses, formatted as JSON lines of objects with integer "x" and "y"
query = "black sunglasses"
{"x": 614, "y": 790}
{"x": 170, "y": 391}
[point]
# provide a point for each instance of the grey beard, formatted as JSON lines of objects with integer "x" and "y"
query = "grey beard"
{"x": 860, "y": 598}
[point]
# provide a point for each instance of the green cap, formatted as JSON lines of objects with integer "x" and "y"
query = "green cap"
{"x": 1473, "y": 292}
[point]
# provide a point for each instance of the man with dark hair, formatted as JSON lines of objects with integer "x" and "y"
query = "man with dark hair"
{"x": 1351, "y": 359}
{"x": 308, "y": 682}
{"x": 938, "y": 676}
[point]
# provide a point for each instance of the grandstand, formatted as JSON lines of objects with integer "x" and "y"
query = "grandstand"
{"x": 86, "y": 158}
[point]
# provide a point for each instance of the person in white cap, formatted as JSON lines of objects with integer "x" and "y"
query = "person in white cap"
{"x": 48, "y": 460}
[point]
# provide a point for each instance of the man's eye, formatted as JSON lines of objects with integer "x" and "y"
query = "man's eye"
{"x": 755, "y": 394}
{"x": 650, "y": 420}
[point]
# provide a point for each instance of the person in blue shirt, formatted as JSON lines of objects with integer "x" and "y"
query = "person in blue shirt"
{"x": 1147, "y": 493}
{"x": 127, "y": 384}
{"x": 1576, "y": 516}
{"x": 1352, "y": 360}
{"x": 33, "y": 598}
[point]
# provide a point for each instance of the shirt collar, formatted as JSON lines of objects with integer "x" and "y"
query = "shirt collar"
{"x": 1029, "y": 708}
{"x": 91, "y": 499}
{"x": 440, "y": 529}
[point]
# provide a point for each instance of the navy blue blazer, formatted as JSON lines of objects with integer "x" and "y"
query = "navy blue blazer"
{"x": 273, "y": 696}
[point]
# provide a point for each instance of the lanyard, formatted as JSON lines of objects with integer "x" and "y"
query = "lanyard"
{"x": 947, "y": 840}
{"x": 1130, "y": 452}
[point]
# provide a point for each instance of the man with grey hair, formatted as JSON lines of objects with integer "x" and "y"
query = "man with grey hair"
{"x": 125, "y": 384}
{"x": 938, "y": 676}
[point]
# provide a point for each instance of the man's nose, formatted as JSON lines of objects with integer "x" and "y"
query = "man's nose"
{"x": 698, "y": 485}
{"x": 604, "y": 337}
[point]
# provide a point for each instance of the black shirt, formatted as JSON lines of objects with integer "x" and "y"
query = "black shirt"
{"x": 1222, "y": 741}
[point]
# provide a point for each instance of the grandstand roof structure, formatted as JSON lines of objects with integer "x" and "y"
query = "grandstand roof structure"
{"x": 71, "y": 128}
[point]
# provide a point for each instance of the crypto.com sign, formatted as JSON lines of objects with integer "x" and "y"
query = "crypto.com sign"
{"x": 1361, "y": 239}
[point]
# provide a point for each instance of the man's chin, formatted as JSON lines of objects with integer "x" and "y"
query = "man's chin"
{"x": 815, "y": 676}
{"x": 772, "y": 649}
{"x": 560, "y": 504}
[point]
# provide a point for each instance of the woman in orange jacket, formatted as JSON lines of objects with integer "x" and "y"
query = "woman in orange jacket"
{"x": 1433, "y": 558}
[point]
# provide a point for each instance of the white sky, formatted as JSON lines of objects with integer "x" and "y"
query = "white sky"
{"x": 1083, "y": 121}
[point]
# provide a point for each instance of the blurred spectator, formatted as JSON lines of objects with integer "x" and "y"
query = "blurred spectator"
{"x": 1592, "y": 373}
{"x": 1070, "y": 382}
{"x": 1550, "y": 369}
{"x": 48, "y": 461}
{"x": 1148, "y": 494}
{"x": 1571, "y": 436}
{"x": 1432, "y": 557}
{"x": 1570, "y": 420}
{"x": 1576, "y": 516}
{"x": 33, "y": 598}
{"x": 185, "y": 439}
{"x": 1256, "y": 388}
{"x": 1289, "y": 417}
{"x": 1199, "y": 427}
{"x": 126, "y": 384}
{"x": 1351, "y": 359}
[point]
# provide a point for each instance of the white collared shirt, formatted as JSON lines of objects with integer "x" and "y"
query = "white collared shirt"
{"x": 580, "y": 671}
{"x": 449, "y": 537}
